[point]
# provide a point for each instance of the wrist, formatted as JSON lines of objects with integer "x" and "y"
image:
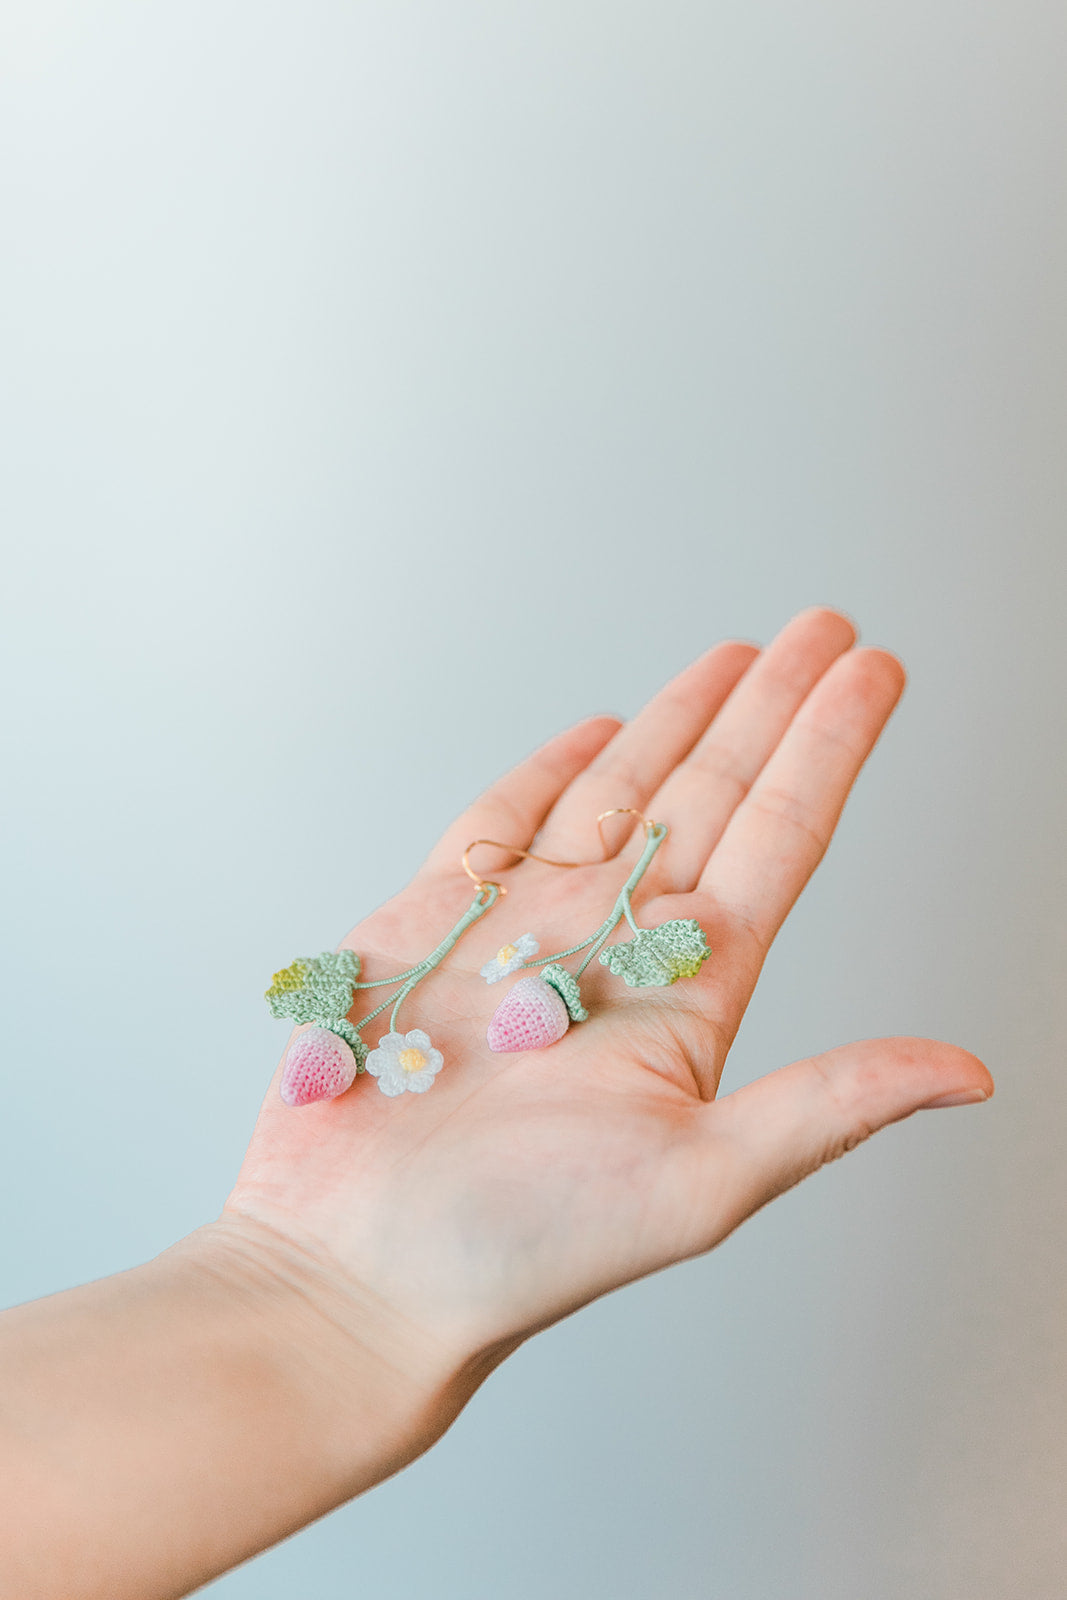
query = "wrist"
{"x": 164, "y": 1424}
{"x": 369, "y": 1389}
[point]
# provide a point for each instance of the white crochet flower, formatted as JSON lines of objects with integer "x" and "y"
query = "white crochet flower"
{"x": 405, "y": 1061}
{"x": 509, "y": 958}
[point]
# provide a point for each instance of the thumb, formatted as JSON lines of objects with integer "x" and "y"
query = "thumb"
{"x": 788, "y": 1124}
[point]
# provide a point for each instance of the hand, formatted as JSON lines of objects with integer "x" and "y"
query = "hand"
{"x": 521, "y": 1186}
{"x": 378, "y": 1256}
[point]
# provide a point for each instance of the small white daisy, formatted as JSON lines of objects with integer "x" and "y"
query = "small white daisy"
{"x": 405, "y": 1062}
{"x": 509, "y": 958}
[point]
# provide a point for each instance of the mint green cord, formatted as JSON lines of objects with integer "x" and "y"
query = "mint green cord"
{"x": 483, "y": 901}
{"x": 657, "y": 832}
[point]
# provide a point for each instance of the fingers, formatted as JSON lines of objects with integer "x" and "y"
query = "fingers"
{"x": 770, "y": 1134}
{"x": 699, "y": 796}
{"x": 629, "y": 769}
{"x": 778, "y": 834}
{"x": 514, "y": 807}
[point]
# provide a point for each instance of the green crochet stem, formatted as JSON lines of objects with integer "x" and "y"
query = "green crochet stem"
{"x": 483, "y": 901}
{"x": 622, "y": 907}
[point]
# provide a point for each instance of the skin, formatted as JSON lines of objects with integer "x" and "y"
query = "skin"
{"x": 378, "y": 1257}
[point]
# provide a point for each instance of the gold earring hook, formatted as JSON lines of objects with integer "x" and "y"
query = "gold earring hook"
{"x": 618, "y": 811}
{"x": 528, "y": 855}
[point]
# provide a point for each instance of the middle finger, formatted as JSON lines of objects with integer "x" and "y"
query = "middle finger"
{"x": 700, "y": 795}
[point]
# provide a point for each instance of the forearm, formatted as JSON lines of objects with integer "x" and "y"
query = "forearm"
{"x": 162, "y": 1425}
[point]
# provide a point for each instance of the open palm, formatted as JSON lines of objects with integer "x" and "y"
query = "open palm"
{"x": 524, "y": 1185}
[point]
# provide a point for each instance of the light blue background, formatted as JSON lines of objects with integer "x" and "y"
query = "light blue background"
{"x": 387, "y": 385}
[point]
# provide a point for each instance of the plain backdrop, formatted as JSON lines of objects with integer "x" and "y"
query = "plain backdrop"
{"x": 387, "y": 385}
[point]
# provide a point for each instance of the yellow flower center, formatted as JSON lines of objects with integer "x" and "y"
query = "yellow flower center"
{"x": 412, "y": 1060}
{"x": 505, "y": 954}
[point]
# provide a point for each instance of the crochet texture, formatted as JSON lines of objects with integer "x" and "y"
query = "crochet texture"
{"x": 659, "y": 956}
{"x": 530, "y": 1016}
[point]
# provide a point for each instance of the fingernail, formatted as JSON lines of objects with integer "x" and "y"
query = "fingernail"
{"x": 966, "y": 1097}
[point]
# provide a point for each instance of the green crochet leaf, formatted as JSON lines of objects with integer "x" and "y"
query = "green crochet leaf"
{"x": 659, "y": 956}
{"x": 344, "y": 1030}
{"x": 315, "y": 988}
{"x": 566, "y": 986}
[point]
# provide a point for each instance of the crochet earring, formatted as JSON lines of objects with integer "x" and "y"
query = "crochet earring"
{"x": 322, "y": 1062}
{"x": 538, "y": 1010}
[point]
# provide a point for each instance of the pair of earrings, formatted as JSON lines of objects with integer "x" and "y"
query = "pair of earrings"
{"x": 537, "y": 1011}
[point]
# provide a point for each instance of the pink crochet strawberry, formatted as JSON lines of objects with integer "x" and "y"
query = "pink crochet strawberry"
{"x": 318, "y": 1066}
{"x": 530, "y": 1016}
